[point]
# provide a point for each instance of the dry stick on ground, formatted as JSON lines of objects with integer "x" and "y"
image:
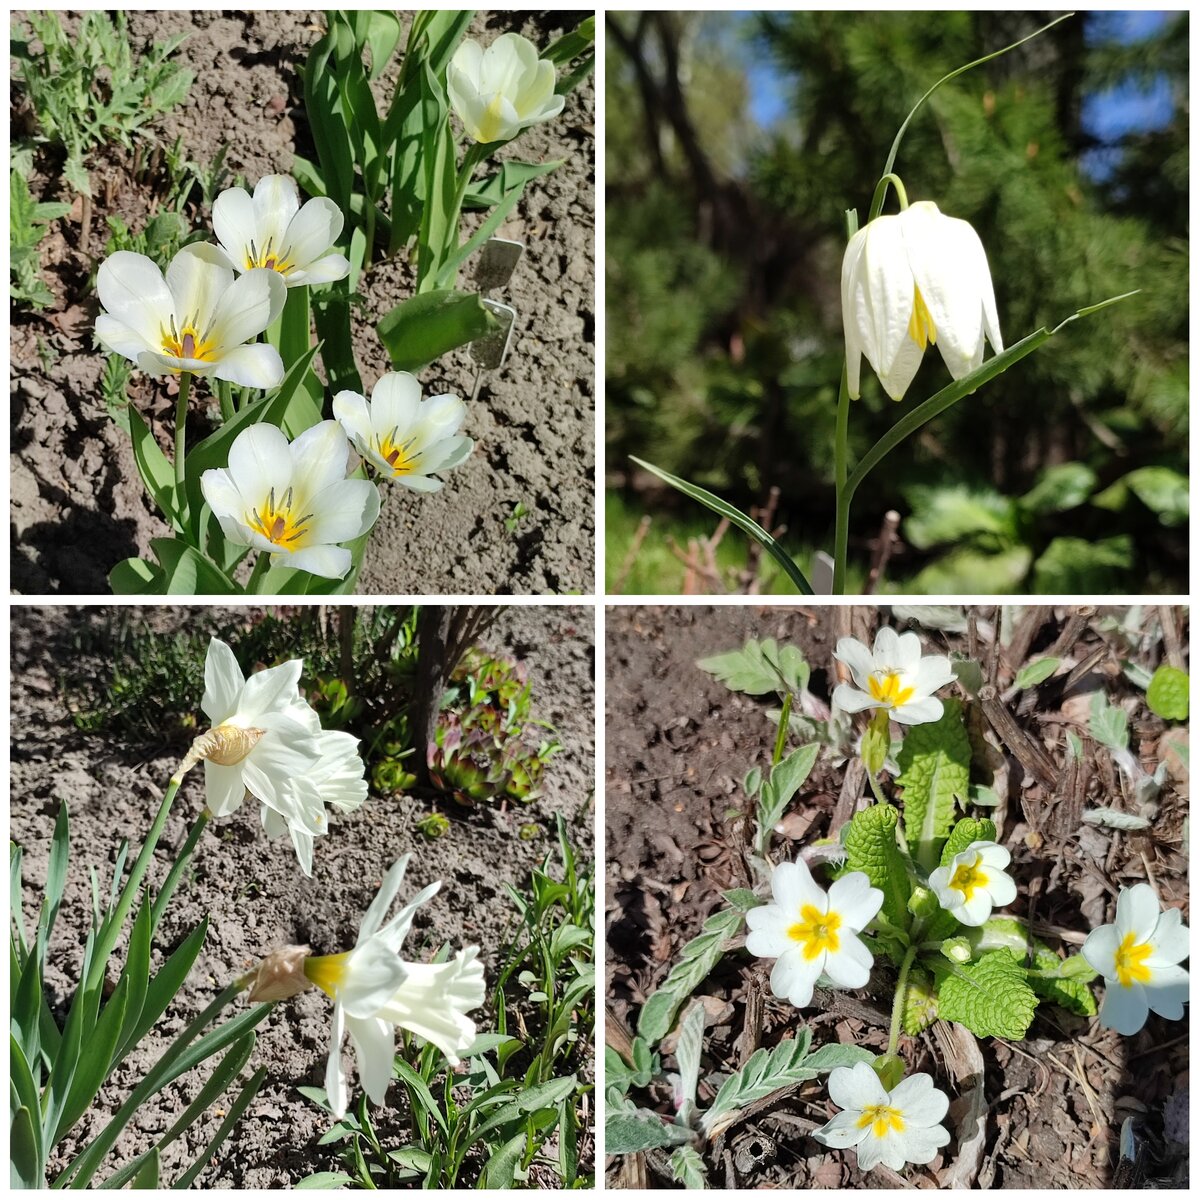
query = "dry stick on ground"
{"x": 1023, "y": 635}
{"x": 750, "y": 583}
{"x": 962, "y": 1055}
{"x": 1167, "y": 617}
{"x": 1026, "y": 751}
{"x": 639, "y": 536}
{"x": 1076, "y": 623}
{"x": 883, "y": 550}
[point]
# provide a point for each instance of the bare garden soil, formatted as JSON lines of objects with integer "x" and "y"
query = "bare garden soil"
{"x": 253, "y": 892}
{"x": 678, "y": 744}
{"x": 78, "y": 506}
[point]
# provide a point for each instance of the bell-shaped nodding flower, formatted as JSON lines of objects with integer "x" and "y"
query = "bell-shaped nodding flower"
{"x": 911, "y": 280}
{"x": 272, "y": 231}
{"x": 292, "y": 500}
{"x": 374, "y": 991}
{"x": 197, "y": 318}
{"x": 499, "y": 91}
{"x": 406, "y": 439}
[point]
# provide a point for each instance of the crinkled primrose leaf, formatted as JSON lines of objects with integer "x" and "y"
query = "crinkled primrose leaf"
{"x": 935, "y": 763}
{"x": 1167, "y": 695}
{"x": 920, "y": 1001}
{"x": 1061, "y": 981}
{"x": 991, "y": 997}
{"x": 870, "y": 841}
{"x": 697, "y": 958}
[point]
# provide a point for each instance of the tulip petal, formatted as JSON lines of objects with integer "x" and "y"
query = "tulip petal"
{"x": 276, "y": 202}
{"x": 344, "y": 511}
{"x": 119, "y": 338}
{"x": 395, "y": 400}
{"x": 234, "y": 224}
{"x": 251, "y": 303}
{"x": 328, "y": 269}
{"x": 320, "y": 457}
{"x": 133, "y": 291}
{"x": 199, "y": 276}
{"x": 255, "y": 365}
{"x": 259, "y": 460}
{"x": 312, "y": 231}
{"x": 329, "y": 562}
{"x": 353, "y": 414}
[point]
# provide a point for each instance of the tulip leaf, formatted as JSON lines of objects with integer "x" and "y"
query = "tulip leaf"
{"x": 571, "y": 45}
{"x": 510, "y": 175}
{"x": 23, "y": 1151}
{"x": 157, "y": 473}
{"x": 187, "y": 572}
{"x": 439, "y": 217}
{"x": 426, "y": 326}
{"x": 135, "y": 577}
{"x": 743, "y": 522}
{"x": 935, "y": 763}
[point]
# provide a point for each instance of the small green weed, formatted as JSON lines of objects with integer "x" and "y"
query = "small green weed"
{"x": 28, "y": 223}
{"x": 519, "y": 511}
{"x": 90, "y": 89}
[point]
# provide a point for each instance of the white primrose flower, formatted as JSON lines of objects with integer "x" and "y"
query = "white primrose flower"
{"x": 893, "y": 1128}
{"x": 272, "y": 231}
{"x": 910, "y": 280}
{"x": 974, "y": 882}
{"x": 335, "y": 778}
{"x": 197, "y": 318}
{"x": 374, "y": 991}
{"x": 292, "y": 501}
{"x": 1139, "y": 957}
{"x": 406, "y": 439}
{"x": 893, "y": 676}
{"x": 499, "y": 91}
{"x": 810, "y": 933}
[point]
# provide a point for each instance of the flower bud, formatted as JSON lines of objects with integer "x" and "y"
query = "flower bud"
{"x": 889, "y": 1068}
{"x": 280, "y": 975}
{"x": 957, "y": 949}
{"x": 226, "y": 745}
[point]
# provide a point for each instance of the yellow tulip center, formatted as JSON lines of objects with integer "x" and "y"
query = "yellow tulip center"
{"x": 1131, "y": 961}
{"x": 187, "y": 342}
{"x": 920, "y": 325}
{"x": 886, "y": 688}
{"x": 269, "y": 256}
{"x": 327, "y": 972}
{"x": 278, "y": 523}
{"x": 968, "y": 878}
{"x": 491, "y": 124}
{"x": 816, "y": 931}
{"x": 880, "y": 1118}
{"x": 400, "y": 456}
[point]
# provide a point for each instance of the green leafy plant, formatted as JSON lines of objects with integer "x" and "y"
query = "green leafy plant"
{"x": 28, "y": 224}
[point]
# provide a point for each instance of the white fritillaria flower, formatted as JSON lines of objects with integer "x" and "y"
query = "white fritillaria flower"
{"x": 893, "y": 1128}
{"x": 197, "y": 318}
{"x": 292, "y": 501}
{"x": 499, "y": 91}
{"x": 406, "y": 439}
{"x": 374, "y": 990}
{"x": 974, "y": 882}
{"x": 810, "y": 933}
{"x": 892, "y": 676}
{"x": 1139, "y": 957}
{"x": 911, "y": 280}
{"x": 272, "y": 231}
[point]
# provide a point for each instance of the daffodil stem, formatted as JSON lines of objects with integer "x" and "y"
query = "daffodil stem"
{"x": 841, "y": 533}
{"x": 110, "y": 930}
{"x": 261, "y": 566}
{"x": 181, "y": 411}
{"x": 898, "y": 1003}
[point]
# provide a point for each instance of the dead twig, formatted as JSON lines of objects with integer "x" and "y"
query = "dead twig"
{"x": 639, "y": 536}
{"x": 884, "y": 545}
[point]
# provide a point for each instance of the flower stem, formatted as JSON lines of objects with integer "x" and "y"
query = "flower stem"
{"x": 898, "y": 1003}
{"x": 181, "y": 411}
{"x": 879, "y": 796}
{"x": 841, "y": 535}
{"x": 225, "y": 394}
{"x": 881, "y": 194}
{"x": 261, "y": 566}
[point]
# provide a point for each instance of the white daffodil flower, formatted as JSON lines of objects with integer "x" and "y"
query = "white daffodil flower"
{"x": 406, "y": 439}
{"x": 974, "y": 882}
{"x": 292, "y": 501}
{"x": 893, "y": 676}
{"x": 335, "y": 778}
{"x": 910, "y": 280}
{"x": 374, "y": 991}
{"x": 810, "y": 933}
{"x": 273, "y": 232}
{"x": 499, "y": 91}
{"x": 893, "y": 1128}
{"x": 261, "y": 735}
{"x": 1139, "y": 957}
{"x": 197, "y": 318}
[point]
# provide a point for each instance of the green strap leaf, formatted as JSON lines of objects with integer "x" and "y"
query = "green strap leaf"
{"x": 165, "y": 985}
{"x": 239, "y": 1106}
{"x": 95, "y": 1057}
{"x": 137, "y": 975}
{"x": 935, "y": 763}
{"x": 743, "y": 522}
{"x": 147, "y": 1175}
{"x": 157, "y": 473}
{"x": 424, "y": 327}
{"x": 25, "y": 1090}
{"x": 25, "y": 1161}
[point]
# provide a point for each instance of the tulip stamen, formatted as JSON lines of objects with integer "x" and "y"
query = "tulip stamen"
{"x": 272, "y": 259}
{"x": 188, "y": 342}
{"x": 396, "y": 454}
{"x": 276, "y": 522}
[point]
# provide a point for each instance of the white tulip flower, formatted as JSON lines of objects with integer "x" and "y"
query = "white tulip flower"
{"x": 910, "y": 280}
{"x": 272, "y": 231}
{"x": 292, "y": 501}
{"x": 974, "y": 882}
{"x": 197, "y": 318}
{"x": 374, "y": 991}
{"x": 893, "y": 1128}
{"x": 810, "y": 933}
{"x": 1139, "y": 957}
{"x": 499, "y": 91}
{"x": 406, "y": 439}
{"x": 893, "y": 676}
